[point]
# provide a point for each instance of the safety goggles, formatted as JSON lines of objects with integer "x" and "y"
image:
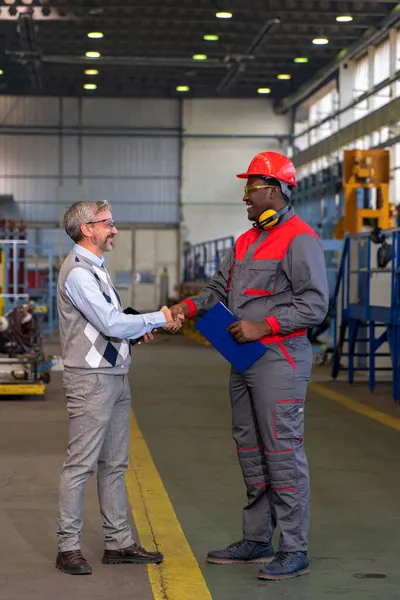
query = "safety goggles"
{"x": 110, "y": 222}
{"x": 248, "y": 189}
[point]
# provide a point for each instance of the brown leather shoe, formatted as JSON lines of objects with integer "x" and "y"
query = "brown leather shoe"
{"x": 73, "y": 563}
{"x": 133, "y": 554}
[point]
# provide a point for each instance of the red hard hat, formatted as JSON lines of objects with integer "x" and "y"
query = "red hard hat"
{"x": 272, "y": 164}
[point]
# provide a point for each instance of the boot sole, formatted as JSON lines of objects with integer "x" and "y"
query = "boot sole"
{"x": 70, "y": 572}
{"x": 279, "y": 577}
{"x": 134, "y": 561}
{"x": 255, "y": 561}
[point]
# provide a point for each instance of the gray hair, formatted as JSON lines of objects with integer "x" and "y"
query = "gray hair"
{"x": 82, "y": 212}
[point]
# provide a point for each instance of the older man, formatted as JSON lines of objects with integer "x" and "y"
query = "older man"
{"x": 95, "y": 336}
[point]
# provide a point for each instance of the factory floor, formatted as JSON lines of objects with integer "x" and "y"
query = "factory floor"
{"x": 186, "y": 491}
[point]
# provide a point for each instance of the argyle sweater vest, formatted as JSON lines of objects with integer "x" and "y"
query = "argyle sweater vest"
{"x": 84, "y": 348}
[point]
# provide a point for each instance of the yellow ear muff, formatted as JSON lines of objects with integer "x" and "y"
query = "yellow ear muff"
{"x": 266, "y": 220}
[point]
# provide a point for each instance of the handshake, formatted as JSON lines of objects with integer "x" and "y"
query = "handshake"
{"x": 175, "y": 316}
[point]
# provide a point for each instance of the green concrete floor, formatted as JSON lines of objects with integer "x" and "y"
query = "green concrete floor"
{"x": 181, "y": 402}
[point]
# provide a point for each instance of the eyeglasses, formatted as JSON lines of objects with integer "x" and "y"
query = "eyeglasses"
{"x": 248, "y": 189}
{"x": 110, "y": 222}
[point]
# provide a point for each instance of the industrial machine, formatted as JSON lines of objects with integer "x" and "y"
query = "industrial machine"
{"x": 24, "y": 366}
{"x": 365, "y": 184}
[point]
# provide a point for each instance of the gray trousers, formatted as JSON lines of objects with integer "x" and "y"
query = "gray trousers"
{"x": 268, "y": 427}
{"x": 99, "y": 412}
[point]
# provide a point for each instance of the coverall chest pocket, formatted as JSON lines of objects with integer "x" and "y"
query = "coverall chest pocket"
{"x": 261, "y": 278}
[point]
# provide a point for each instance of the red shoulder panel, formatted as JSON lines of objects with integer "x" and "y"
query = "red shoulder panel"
{"x": 244, "y": 241}
{"x": 280, "y": 238}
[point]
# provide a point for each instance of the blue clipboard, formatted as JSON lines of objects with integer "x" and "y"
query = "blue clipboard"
{"x": 213, "y": 326}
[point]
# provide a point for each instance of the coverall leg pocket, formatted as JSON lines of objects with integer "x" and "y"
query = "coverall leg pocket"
{"x": 289, "y": 419}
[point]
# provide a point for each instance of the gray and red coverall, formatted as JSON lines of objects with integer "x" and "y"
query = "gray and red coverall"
{"x": 280, "y": 276}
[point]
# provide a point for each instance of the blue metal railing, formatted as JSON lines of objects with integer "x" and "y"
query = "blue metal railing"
{"x": 21, "y": 259}
{"x": 200, "y": 261}
{"x": 369, "y": 301}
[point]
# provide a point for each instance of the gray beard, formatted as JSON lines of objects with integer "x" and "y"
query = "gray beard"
{"x": 103, "y": 246}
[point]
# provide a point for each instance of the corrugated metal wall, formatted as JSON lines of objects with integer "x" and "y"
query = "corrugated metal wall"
{"x": 56, "y": 151}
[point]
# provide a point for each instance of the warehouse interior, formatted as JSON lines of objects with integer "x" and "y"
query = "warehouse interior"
{"x": 156, "y": 106}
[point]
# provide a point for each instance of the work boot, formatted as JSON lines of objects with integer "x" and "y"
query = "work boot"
{"x": 133, "y": 554}
{"x": 73, "y": 563}
{"x": 243, "y": 552}
{"x": 285, "y": 565}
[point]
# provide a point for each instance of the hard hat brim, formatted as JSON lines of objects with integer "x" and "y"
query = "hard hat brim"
{"x": 247, "y": 175}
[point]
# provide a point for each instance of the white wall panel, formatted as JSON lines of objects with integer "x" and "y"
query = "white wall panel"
{"x": 139, "y": 191}
{"x": 232, "y": 116}
{"x": 26, "y": 110}
{"x": 45, "y": 172}
{"x": 30, "y": 190}
{"x": 70, "y": 112}
{"x": 130, "y": 112}
{"x": 70, "y": 153}
{"x": 136, "y": 201}
{"x": 127, "y": 157}
{"x": 28, "y": 155}
{"x": 41, "y": 211}
{"x": 70, "y": 191}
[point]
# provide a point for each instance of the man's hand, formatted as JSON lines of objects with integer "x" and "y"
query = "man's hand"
{"x": 249, "y": 331}
{"x": 173, "y": 323}
{"x": 148, "y": 337}
{"x": 180, "y": 311}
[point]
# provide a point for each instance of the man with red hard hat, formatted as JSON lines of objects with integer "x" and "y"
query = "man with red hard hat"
{"x": 274, "y": 281}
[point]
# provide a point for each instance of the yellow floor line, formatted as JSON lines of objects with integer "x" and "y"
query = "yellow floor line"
{"x": 179, "y": 576}
{"x": 355, "y": 406}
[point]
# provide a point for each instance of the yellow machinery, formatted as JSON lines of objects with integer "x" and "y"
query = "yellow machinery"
{"x": 366, "y": 192}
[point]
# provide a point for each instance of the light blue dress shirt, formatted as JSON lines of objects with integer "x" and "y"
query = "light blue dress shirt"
{"x": 84, "y": 292}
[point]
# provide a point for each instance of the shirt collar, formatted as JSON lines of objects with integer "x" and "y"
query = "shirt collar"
{"x": 89, "y": 255}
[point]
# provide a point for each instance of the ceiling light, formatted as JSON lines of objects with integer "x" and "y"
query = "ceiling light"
{"x": 91, "y": 72}
{"x": 224, "y": 15}
{"x": 320, "y": 41}
{"x": 211, "y": 38}
{"x": 264, "y": 90}
{"x": 300, "y": 59}
{"x": 1, "y": 72}
{"x": 344, "y": 18}
{"x": 90, "y": 86}
{"x": 199, "y": 56}
{"x": 284, "y": 76}
{"x": 182, "y": 88}
{"x": 95, "y": 35}
{"x": 93, "y": 54}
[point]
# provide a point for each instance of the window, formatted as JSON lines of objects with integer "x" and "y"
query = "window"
{"x": 324, "y": 107}
{"x": 361, "y": 85}
{"x": 381, "y": 62}
{"x": 381, "y": 72}
{"x": 384, "y": 135}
